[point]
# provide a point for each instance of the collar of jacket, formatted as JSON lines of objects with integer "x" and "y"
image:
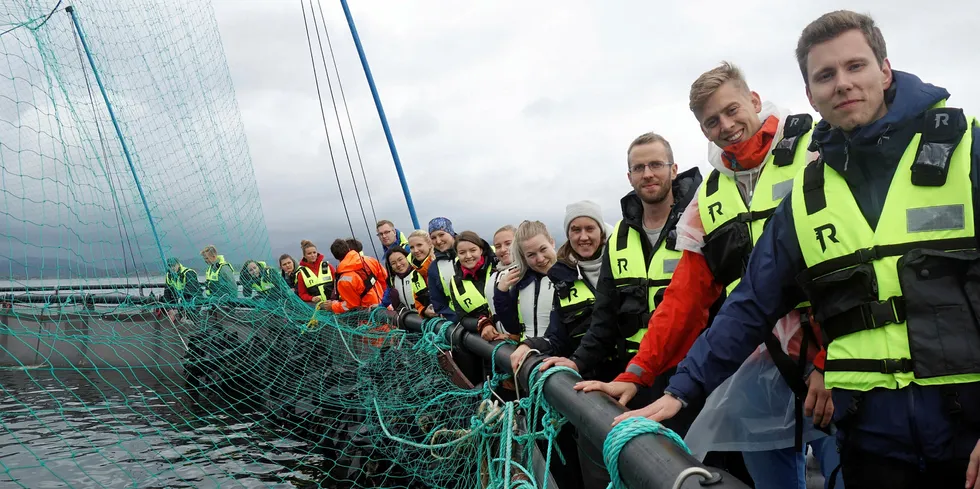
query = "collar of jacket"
{"x": 445, "y": 255}
{"x": 883, "y": 140}
{"x": 563, "y": 272}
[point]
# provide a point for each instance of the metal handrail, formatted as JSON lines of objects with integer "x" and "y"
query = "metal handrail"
{"x": 647, "y": 461}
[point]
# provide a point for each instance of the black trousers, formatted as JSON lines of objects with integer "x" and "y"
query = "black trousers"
{"x": 866, "y": 470}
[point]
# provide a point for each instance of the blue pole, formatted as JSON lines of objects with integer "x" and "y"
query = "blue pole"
{"x": 381, "y": 113}
{"x": 115, "y": 124}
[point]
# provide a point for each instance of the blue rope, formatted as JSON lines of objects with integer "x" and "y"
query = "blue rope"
{"x": 625, "y": 431}
{"x": 122, "y": 141}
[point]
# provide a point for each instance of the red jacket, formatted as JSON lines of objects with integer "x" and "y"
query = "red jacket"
{"x": 349, "y": 280}
{"x": 301, "y": 286}
{"x": 679, "y": 320}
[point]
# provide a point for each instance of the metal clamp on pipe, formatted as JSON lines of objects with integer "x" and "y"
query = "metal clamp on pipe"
{"x": 647, "y": 461}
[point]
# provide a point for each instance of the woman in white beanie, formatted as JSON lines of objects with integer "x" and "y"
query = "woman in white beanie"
{"x": 573, "y": 277}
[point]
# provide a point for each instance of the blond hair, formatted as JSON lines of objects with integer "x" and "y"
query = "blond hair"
{"x": 710, "y": 81}
{"x": 525, "y": 231}
{"x": 383, "y": 222}
{"x": 508, "y": 227}
{"x": 209, "y": 250}
{"x": 830, "y": 26}
{"x": 650, "y": 138}
{"x": 303, "y": 245}
{"x": 418, "y": 233}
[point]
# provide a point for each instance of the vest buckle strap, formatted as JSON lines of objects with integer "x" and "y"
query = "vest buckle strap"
{"x": 867, "y": 316}
{"x": 896, "y": 365}
{"x": 887, "y": 366}
{"x": 882, "y": 313}
{"x": 751, "y": 216}
{"x": 867, "y": 255}
{"x": 641, "y": 282}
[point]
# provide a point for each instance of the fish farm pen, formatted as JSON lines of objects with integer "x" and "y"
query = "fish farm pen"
{"x": 360, "y": 400}
{"x": 123, "y": 151}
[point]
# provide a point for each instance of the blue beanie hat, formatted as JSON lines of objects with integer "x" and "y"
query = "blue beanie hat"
{"x": 441, "y": 224}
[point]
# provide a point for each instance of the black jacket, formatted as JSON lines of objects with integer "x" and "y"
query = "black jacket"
{"x": 610, "y": 324}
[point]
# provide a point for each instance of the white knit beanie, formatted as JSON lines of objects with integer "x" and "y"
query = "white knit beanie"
{"x": 585, "y": 208}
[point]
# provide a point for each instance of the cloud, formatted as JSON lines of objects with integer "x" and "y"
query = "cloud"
{"x": 504, "y": 111}
{"x": 501, "y": 111}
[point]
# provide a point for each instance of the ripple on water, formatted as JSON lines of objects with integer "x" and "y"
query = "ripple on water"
{"x": 81, "y": 431}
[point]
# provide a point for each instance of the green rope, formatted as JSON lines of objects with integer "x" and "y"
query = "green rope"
{"x": 433, "y": 339}
{"x": 622, "y": 433}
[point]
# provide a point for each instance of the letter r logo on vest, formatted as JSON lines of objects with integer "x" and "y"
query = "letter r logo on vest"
{"x": 793, "y": 121}
{"x": 942, "y": 118}
{"x": 831, "y": 235}
{"x": 713, "y": 208}
{"x": 573, "y": 293}
{"x": 621, "y": 263}
{"x": 468, "y": 302}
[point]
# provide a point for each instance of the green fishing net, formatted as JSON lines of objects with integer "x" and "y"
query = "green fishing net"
{"x": 122, "y": 147}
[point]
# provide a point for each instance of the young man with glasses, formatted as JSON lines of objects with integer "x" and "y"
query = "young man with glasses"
{"x": 637, "y": 265}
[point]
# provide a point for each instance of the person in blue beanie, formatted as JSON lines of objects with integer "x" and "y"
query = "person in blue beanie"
{"x": 441, "y": 274}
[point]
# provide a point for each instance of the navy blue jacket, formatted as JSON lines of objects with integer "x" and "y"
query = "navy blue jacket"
{"x": 557, "y": 340}
{"x": 505, "y": 303}
{"x": 909, "y": 424}
{"x": 439, "y": 297}
{"x": 386, "y": 299}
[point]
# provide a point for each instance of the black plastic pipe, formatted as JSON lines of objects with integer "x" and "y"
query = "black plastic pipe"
{"x": 647, "y": 461}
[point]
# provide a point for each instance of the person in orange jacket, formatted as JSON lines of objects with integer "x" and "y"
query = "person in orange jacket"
{"x": 379, "y": 270}
{"x": 356, "y": 284}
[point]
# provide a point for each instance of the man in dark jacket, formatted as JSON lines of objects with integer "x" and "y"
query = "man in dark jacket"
{"x": 642, "y": 248}
{"x": 903, "y": 375}
{"x": 650, "y": 213}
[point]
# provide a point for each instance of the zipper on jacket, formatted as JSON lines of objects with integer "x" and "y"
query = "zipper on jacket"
{"x": 537, "y": 292}
{"x": 915, "y": 432}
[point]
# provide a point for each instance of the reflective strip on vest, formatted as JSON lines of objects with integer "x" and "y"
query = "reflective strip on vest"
{"x": 839, "y": 229}
{"x": 726, "y": 203}
{"x": 536, "y": 306}
{"x": 471, "y": 297}
{"x": 314, "y": 281}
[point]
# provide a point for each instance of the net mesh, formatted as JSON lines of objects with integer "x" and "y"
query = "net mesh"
{"x": 122, "y": 152}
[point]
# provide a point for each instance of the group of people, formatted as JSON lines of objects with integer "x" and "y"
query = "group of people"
{"x": 822, "y": 280}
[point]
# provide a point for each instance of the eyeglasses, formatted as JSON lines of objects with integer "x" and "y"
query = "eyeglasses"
{"x": 656, "y": 166}
{"x": 385, "y": 233}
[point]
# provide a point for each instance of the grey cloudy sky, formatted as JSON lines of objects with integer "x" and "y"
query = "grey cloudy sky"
{"x": 509, "y": 110}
